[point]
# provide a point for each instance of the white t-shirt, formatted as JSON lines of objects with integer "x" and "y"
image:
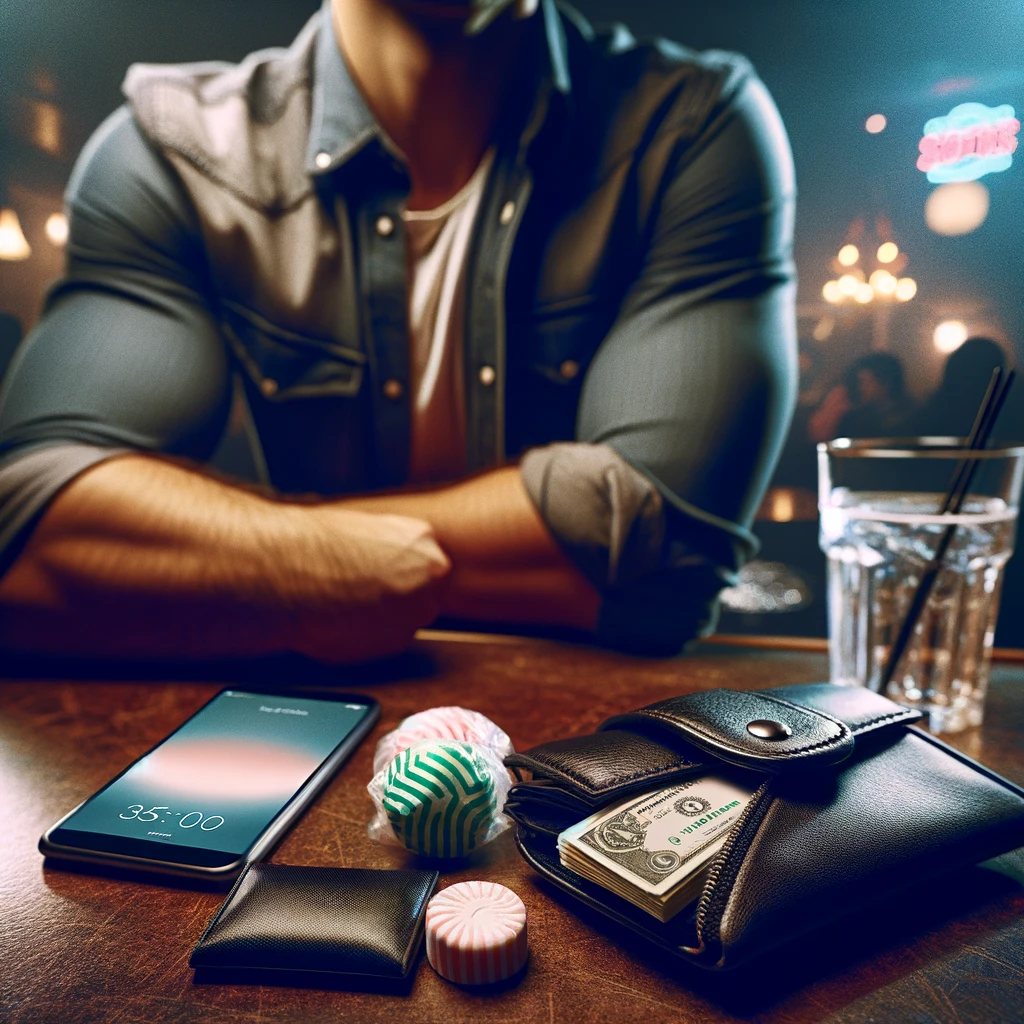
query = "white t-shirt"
{"x": 437, "y": 244}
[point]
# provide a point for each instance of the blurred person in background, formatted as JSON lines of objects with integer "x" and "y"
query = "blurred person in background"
{"x": 511, "y": 301}
{"x": 870, "y": 401}
{"x": 879, "y": 400}
{"x": 952, "y": 407}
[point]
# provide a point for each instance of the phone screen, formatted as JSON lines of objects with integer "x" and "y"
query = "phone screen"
{"x": 217, "y": 782}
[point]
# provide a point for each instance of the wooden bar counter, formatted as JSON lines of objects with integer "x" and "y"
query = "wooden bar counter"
{"x": 77, "y": 947}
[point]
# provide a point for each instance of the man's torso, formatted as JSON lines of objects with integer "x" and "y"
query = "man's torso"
{"x": 299, "y": 209}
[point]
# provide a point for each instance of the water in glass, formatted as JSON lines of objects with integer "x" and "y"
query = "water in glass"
{"x": 878, "y": 543}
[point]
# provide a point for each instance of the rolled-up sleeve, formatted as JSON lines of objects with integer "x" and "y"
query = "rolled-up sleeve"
{"x": 127, "y": 355}
{"x": 686, "y": 405}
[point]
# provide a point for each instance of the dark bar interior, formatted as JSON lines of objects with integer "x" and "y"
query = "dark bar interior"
{"x": 509, "y": 508}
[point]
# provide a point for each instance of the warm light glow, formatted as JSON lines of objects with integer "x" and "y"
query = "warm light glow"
{"x": 57, "y": 228}
{"x": 883, "y": 282}
{"x": 864, "y": 294}
{"x": 957, "y": 209}
{"x": 848, "y": 284}
{"x": 832, "y": 291}
{"x": 906, "y": 289}
{"x": 848, "y": 255}
{"x": 887, "y": 252}
{"x": 950, "y": 335}
{"x": 46, "y": 127}
{"x": 781, "y": 510}
{"x": 875, "y": 123}
{"x": 824, "y": 327}
{"x": 13, "y": 244}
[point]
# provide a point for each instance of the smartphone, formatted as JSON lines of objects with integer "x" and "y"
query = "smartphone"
{"x": 221, "y": 790}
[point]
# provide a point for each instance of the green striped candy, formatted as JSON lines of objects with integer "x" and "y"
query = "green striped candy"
{"x": 439, "y": 798}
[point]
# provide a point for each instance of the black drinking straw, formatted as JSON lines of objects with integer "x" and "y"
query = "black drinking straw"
{"x": 988, "y": 413}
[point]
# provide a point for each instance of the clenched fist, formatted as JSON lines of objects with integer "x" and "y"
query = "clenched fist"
{"x": 140, "y": 556}
{"x": 359, "y": 585}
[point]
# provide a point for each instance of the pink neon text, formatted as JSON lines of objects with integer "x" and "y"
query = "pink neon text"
{"x": 982, "y": 140}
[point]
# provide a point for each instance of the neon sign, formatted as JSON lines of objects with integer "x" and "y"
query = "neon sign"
{"x": 972, "y": 140}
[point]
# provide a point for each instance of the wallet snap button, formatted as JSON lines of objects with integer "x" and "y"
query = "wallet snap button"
{"x": 765, "y": 729}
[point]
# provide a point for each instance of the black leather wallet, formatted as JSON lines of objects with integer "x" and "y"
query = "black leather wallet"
{"x": 344, "y": 921}
{"x": 851, "y": 804}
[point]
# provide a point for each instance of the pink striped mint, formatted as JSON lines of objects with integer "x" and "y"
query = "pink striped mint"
{"x": 446, "y": 723}
{"x": 476, "y": 933}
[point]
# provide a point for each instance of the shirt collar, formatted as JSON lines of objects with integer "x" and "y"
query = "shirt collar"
{"x": 341, "y": 122}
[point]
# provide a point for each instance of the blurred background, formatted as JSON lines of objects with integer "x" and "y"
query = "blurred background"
{"x": 896, "y": 271}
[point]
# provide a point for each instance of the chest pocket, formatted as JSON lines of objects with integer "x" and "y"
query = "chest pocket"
{"x": 562, "y": 338}
{"x": 550, "y": 348}
{"x": 285, "y": 365}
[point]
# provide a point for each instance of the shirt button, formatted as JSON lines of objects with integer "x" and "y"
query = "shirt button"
{"x": 508, "y": 211}
{"x": 487, "y": 376}
{"x": 393, "y": 389}
{"x": 268, "y": 387}
{"x": 569, "y": 369}
{"x": 323, "y": 160}
{"x": 385, "y": 225}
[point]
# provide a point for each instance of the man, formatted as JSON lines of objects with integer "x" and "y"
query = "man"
{"x": 511, "y": 306}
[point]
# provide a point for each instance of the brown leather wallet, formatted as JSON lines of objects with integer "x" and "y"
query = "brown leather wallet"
{"x": 851, "y": 803}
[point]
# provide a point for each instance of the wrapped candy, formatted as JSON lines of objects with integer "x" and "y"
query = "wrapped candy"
{"x": 450, "y": 723}
{"x": 439, "y": 784}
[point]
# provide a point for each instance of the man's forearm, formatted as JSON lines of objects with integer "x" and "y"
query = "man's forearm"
{"x": 140, "y": 556}
{"x": 506, "y": 567}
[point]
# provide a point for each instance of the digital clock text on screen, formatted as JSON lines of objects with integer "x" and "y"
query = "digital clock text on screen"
{"x": 190, "y": 819}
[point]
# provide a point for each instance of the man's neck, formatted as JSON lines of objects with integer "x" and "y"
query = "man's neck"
{"x": 433, "y": 89}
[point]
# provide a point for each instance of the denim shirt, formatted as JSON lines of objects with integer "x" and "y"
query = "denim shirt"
{"x": 629, "y": 328}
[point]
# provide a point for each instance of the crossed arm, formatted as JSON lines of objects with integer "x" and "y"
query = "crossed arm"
{"x": 142, "y": 556}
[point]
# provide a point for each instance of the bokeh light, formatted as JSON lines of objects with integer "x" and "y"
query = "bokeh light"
{"x": 864, "y": 294}
{"x": 13, "y": 243}
{"x": 57, "y": 228}
{"x": 848, "y": 284}
{"x": 906, "y": 289}
{"x": 949, "y": 336}
{"x": 875, "y": 123}
{"x": 883, "y": 282}
{"x": 848, "y": 255}
{"x": 957, "y": 208}
{"x": 824, "y": 327}
{"x": 887, "y": 252}
{"x": 832, "y": 291}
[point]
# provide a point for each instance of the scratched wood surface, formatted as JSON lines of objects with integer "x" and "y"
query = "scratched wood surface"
{"x": 83, "y": 948}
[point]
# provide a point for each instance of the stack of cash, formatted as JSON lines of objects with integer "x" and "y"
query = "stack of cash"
{"x": 655, "y": 850}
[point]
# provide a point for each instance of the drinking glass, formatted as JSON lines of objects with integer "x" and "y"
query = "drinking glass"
{"x": 880, "y": 504}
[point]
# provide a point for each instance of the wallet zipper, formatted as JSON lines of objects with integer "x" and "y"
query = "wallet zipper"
{"x": 725, "y": 867}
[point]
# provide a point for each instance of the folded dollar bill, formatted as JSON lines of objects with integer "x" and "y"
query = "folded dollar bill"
{"x": 654, "y": 850}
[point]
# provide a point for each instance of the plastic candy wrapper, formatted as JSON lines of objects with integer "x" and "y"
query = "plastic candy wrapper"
{"x": 441, "y": 724}
{"x": 439, "y": 784}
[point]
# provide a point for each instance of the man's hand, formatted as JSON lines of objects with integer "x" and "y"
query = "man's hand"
{"x": 506, "y": 566}
{"x": 139, "y": 556}
{"x": 361, "y": 584}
